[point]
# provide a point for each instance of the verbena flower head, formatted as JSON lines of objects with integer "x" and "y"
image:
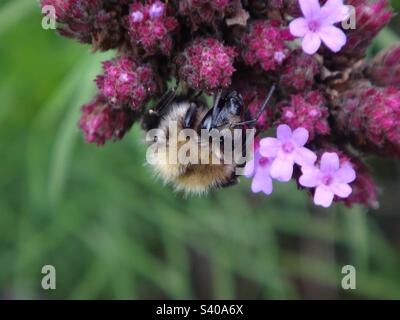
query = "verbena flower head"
{"x": 371, "y": 17}
{"x": 96, "y": 22}
{"x": 205, "y": 12}
{"x": 317, "y": 25}
{"x": 329, "y": 179}
{"x": 207, "y": 64}
{"x": 259, "y": 168}
{"x": 151, "y": 27}
{"x": 306, "y": 110}
{"x": 126, "y": 82}
{"x": 385, "y": 67}
{"x": 287, "y": 149}
{"x": 265, "y": 45}
{"x": 331, "y": 102}
{"x": 101, "y": 122}
{"x": 371, "y": 117}
{"x": 299, "y": 72}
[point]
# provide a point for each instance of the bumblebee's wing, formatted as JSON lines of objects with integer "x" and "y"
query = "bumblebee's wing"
{"x": 211, "y": 117}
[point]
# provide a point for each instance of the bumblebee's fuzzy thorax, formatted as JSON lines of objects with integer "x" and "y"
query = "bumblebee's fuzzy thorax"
{"x": 196, "y": 147}
{"x": 190, "y": 178}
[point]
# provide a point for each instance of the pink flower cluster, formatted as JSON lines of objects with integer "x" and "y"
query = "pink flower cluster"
{"x": 371, "y": 117}
{"x": 372, "y": 17}
{"x": 274, "y": 158}
{"x": 299, "y": 72}
{"x": 96, "y": 22}
{"x": 385, "y": 69}
{"x": 265, "y": 45}
{"x": 150, "y": 27}
{"x": 207, "y": 64}
{"x": 308, "y": 111}
{"x": 126, "y": 82}
{"x": 327, "y": 95}
{"x": 201, "y": 12}
{"x": 101, "y": 122}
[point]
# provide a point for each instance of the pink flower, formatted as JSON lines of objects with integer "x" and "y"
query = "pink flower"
{"x": 126, "y": 81}
{"x": 156, "y": 10}
{"x": 151, "y": 27}
{"x": 259, "y": 168}
{"x": 137, "y": 16}
{"x": 207, "y": 64}
{"x": 329, "y": 179}
{"x": 308, "y": 110}
{"x": 287, "y": 149}
{"x": 264, "y": 46}
{"x": 318, "y": 25}
{"x": 101, "y": 122}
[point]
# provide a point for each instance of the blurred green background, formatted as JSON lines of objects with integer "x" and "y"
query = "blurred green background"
{"x": 112, "y": 231}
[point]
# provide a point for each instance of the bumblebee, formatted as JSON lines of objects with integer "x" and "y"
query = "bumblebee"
{"x": 209, "y": 170}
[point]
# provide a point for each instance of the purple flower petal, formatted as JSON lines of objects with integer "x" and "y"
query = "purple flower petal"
{"x": 310, "y": 177}
{"x": 304, "y": 157}
{"x": 332, "y": 37}
{"x": 269, "y": 147}
{"x": 309, "y": 7}
{"x": 262, "y": 182}
{"x": 298, "y": 27}
{"x": 311, "y": 43}
{"x": 334, "y": 11}
{"x": 323, "y": 196}
{"x": 249, "y": 168}
{"x": 345, "y": 174}
{"x": 137, "y": 16}
{"x": 329, "y": 162}
{"x": 156, "y": 10}
{"x": 283, "y": 132}
{"x": 342, "y": 190}
{"x": 282, "y": 169}
{"x": 300, "y": 136}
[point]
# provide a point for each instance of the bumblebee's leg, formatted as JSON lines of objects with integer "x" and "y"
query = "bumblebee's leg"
{"x": 165, "y": 101}
{"x": 216, "y": 108}
{"x": 190, "y": 116}
{"x": 262, "y": 109}
{"x": 233, "y": 180}
{"x": 151, "y": 119}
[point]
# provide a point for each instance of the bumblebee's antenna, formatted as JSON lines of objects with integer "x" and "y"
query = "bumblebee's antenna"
{"x": 262, "y": 109}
